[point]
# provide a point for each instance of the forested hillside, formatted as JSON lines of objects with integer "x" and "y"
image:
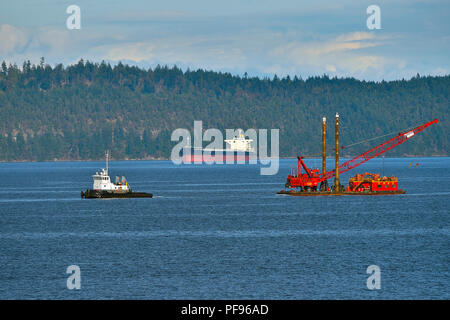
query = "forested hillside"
{"x": 78, "y": 111}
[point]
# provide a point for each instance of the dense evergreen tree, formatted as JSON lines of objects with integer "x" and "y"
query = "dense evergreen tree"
{"x": 76, "y": 112}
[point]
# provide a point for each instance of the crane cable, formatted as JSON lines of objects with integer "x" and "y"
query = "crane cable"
{"x": 377, "y": 137}
{"x": 362, "y": 141}
{"x": 367, "y": 140}
{"x": 353, "y": 144}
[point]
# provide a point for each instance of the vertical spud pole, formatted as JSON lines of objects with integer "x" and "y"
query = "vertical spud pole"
{"x": 324, "y": 152}
{"x": 336, "y": 164}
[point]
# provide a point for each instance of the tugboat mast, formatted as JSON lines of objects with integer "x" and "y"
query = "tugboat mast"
{"x": 107, "y": 159}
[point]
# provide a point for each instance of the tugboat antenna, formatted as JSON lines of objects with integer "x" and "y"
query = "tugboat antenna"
{"x": 107, "y": 158}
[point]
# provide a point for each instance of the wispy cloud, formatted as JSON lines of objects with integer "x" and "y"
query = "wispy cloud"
{"x": 12, "y": 39}
{"x": 340, "y": 55}
{"x": 355, "y": 36}
{"x": 137, "y": 52}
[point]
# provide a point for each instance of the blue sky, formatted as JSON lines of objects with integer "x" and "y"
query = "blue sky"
{"x": 260, "y": 37}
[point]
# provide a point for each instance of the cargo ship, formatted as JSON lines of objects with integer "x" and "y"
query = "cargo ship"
{"x": 104, "y": 188}
{"x": 238, "y": 149}
{"x": 312, "y": 182}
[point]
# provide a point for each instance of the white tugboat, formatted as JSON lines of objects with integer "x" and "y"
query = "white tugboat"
{"x": 104, "y": 188}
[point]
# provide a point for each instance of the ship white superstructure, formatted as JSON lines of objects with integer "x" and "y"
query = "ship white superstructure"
{"x": 102, "y": 181}
{"x": 239, "y": 143}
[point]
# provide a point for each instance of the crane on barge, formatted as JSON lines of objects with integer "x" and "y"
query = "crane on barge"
{"x": 312, "y": 182}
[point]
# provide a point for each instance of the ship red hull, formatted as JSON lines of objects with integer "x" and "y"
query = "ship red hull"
{"x": 216, "y": 158}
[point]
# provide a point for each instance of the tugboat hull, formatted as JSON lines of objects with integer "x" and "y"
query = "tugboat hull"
{"x": 99, "y": 194}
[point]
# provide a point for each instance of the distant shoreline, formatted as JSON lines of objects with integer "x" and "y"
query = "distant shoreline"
{"x": 167, "y": 159}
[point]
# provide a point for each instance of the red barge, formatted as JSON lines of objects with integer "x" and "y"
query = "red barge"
{"x": 314, "y": 183}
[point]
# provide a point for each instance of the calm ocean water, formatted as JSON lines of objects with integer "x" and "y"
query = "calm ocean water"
{"x": 221, "y": 232}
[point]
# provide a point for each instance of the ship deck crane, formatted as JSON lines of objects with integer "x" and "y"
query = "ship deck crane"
{"x": 312, "y": 178}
